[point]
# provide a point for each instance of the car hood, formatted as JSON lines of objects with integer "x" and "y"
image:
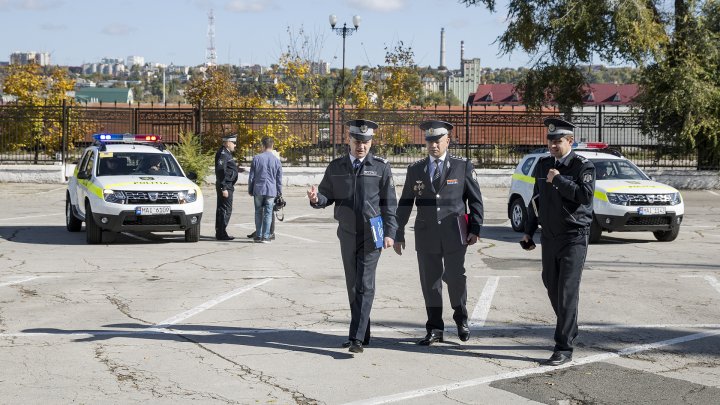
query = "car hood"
{"x": 146, "y": 183}
{"x": 633, "y": 187}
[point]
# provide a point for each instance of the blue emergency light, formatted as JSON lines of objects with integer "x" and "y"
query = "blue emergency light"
{"x": 128, "y": 138}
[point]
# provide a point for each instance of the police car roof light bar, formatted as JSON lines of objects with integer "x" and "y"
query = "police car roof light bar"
{"x": 590, "y": 145}
{"x": 104, "y": 139}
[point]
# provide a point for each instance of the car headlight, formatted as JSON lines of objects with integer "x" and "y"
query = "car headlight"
{"x": 675, "y": 199}
{"x": 112, "y": 196}
{"x": 618, "y": 199}
{"x": 187, "y": 196}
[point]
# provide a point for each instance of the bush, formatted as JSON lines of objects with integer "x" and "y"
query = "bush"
{"x": 191, "y": 157}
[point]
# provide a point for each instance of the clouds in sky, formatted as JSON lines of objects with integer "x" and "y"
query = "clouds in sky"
{"x": 377, "y": 5}
{"x": 247, "y": 6}
{"x": 30, "y": 5}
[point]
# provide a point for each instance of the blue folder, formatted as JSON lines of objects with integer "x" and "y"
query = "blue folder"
{"x": 376, "y": 225}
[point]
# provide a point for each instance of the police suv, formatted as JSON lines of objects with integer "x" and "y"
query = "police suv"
{"x": 131, "y": 183}
{"x": 626, "y": 199}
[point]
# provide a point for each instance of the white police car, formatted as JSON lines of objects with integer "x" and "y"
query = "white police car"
{"x": 131, "y": 183}
{"x": 626, "y": 199}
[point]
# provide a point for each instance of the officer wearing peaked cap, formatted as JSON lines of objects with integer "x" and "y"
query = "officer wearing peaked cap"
{"x": 361, "y": 187}
{"x": 444, "y": 190}
{"x": 562, "y": 202}
{"x": 226, "y": 174}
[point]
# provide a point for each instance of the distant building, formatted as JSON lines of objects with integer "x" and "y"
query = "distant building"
{"x": 464, "y": 82}
{"x": 430, "y": 84}
{"x": 135, "y": 61}
{"x": 319, "y": 68}
{"x": 24, "y": 58}
{"x": 103, "y": 95}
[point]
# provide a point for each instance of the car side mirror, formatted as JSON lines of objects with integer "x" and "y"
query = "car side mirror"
{"x": 82, "y": 175}
{"x": 192, "y": 176}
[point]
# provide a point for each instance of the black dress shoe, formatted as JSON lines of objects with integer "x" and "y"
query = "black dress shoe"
{"x": 557, "y": 359}
{"x": 433, "y": 336}
{"x": 225, "y": 237}
{"x": 463, "y": 331}
{"x": 355, "y": 346}
{"x": 349, "y": 343}
{"x": 251, "y": 236}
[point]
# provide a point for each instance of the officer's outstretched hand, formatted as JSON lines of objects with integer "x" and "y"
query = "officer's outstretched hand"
{"x": 312, "y": 194}
{"x": 398, "y": 247}
{"x": 388, "y": 242}
{"x": 472, "y": 239}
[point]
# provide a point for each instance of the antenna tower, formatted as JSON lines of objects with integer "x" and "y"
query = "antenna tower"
{"x": 210, "y": 54}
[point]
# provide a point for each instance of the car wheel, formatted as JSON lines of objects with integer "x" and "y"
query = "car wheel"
{"x": 518, "y": 215}
{"x": 71, "y": 222}
{"x": 667, "y": 236}
{"x": 93, "y": 232}
{"x": 192, "y": 234}
{"x": 595, "y": 231}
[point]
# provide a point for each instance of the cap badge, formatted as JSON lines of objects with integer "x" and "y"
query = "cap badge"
{"x": 551, "y": 127}
{"x": 363, "y": 128}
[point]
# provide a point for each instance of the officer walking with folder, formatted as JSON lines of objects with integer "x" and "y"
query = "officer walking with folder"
{"x": 361, "y": 187}
{"x": 444, "y": 189}
{"x": 563, "y": 202}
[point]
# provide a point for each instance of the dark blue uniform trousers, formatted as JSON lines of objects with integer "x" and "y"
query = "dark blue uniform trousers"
{"x": 360, "y": 259}
{"x": 563, "y": 258}
{"x": 223, "y": 211}
{"x": 434, "y": 269}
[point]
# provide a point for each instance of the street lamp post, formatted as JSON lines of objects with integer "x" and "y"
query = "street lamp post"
{"x": 344, "y": 32}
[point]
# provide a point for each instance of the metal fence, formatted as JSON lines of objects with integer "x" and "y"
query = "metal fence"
{"x": 492, "y": 137}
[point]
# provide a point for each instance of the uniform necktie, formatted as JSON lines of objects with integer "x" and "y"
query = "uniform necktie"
{"x": 356, "y": 166}
{"x": 436, "y": 174}
{"x": 558, "y": 164}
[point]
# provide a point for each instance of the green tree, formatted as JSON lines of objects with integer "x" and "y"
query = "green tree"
{"x": 296, "y": 81}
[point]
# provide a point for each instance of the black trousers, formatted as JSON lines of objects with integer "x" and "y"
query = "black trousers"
{"x": 434, "y": 269}
{"x": 563, "y": 258}
{"x": 223, "y": 212}
{"x": 360, "y": 259}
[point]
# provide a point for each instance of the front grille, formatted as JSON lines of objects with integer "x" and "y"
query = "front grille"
{"x": 152, "y": 220}
{"x": 649, "y": 199}
{"x": 143, "y": 197}
{"x": 648, "y": 221}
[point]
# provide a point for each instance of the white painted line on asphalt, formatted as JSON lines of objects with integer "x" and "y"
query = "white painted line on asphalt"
{"x": 50, "y": 191}
{"x": 128, "y": 234}
{"x": 713, "y": 193}
{"x": 440, "y": 389}
{"x": 710, "y": 279}
{"x": 30, "y": 216}
{"x": 18, "y": 281}
{"x": 209, "y": 304}
{"x": 482, "y": 308}
{"x": 282, "y": 234}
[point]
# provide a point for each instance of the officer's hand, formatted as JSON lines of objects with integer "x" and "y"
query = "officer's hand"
{"x": 472, "y": 239}
{"x": 388, "y": 242}
{"x": 551, "y": 174}
{"x": 312, "y": 194}
{"x": 527, "y": 243}
{"x": 225, "y": 194}
{"x": 398, "y": 247}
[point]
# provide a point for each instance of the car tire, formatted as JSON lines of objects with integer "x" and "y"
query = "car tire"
{"x": 192, "y": 234}
{"x": 667, "y": 236}
{"x": 595, "y": 231}
{"x": 518, "y": 215}
{"x": 71, "y": 222}
{"x": 93, "y": 232}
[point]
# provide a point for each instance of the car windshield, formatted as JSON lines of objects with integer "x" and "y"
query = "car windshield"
{"x": 617, "y": 169}
{"x": 131, "y": 163}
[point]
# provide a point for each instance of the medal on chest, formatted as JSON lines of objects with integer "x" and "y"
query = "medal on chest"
{"x": 419, "y": 187}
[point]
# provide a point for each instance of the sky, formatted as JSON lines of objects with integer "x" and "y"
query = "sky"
{"x": 250, "y": 31}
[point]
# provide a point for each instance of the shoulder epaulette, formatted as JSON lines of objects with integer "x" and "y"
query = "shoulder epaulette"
{"x": 380, "y": 159}
{"x": 545, "y": 158}
{"x": 458, "y": 158}
{"x": 416, "y": 162}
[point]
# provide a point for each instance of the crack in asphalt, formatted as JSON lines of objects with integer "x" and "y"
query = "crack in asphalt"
{"x": 124, "y": 308}
{"x": 194, "y": 257}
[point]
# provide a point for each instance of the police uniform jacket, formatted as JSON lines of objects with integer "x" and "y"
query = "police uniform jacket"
{"x": 372, "y": 191}
{"x": 438, "y": 211}
{"x": 226, "y": 170}
{"x": 565, "y": 205}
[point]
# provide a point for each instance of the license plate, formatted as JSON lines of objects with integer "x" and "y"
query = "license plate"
{"x": 152, "y": 210}
{"x": 651, "y": 210}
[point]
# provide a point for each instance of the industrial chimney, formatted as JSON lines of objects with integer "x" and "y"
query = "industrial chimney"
{"x": 462, "y": 57}
{"x": 442, "y": 50}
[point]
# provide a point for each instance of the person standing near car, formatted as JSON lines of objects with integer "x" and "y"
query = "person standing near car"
{"x": 562, "y": 201}
{"x": 264, "y": 184}
{"x": 226, "y": 174}
{"x": 361, "y": 187}
{"x": 444, "y": 189}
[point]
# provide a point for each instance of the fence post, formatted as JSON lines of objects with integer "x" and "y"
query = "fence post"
{"x": 65, "y": 125}
{"x": 332, "y": 127}
{"x": 467, "y": 131}
{"x": 198, "y": 119}
{"x": 600, "y": 123}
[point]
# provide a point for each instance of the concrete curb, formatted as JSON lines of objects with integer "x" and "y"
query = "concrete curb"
{"x": 306, "y": 176}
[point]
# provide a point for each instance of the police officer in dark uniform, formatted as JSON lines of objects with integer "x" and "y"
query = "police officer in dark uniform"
{"x": 563, "y": 202}
{"x": 444, "y": 189}
{"x": 361, "y": 187}
{"x": 226, "y": 174}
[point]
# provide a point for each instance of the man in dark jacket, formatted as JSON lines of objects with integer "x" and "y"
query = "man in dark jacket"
{"x": 226, "y": 174}
{"x": 563, "y": 202}
{"x": 361, "y": 187}
{"x": 443, "y": 188}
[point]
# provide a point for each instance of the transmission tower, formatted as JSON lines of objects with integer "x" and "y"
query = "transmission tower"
{"x": 210, "y": 54}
